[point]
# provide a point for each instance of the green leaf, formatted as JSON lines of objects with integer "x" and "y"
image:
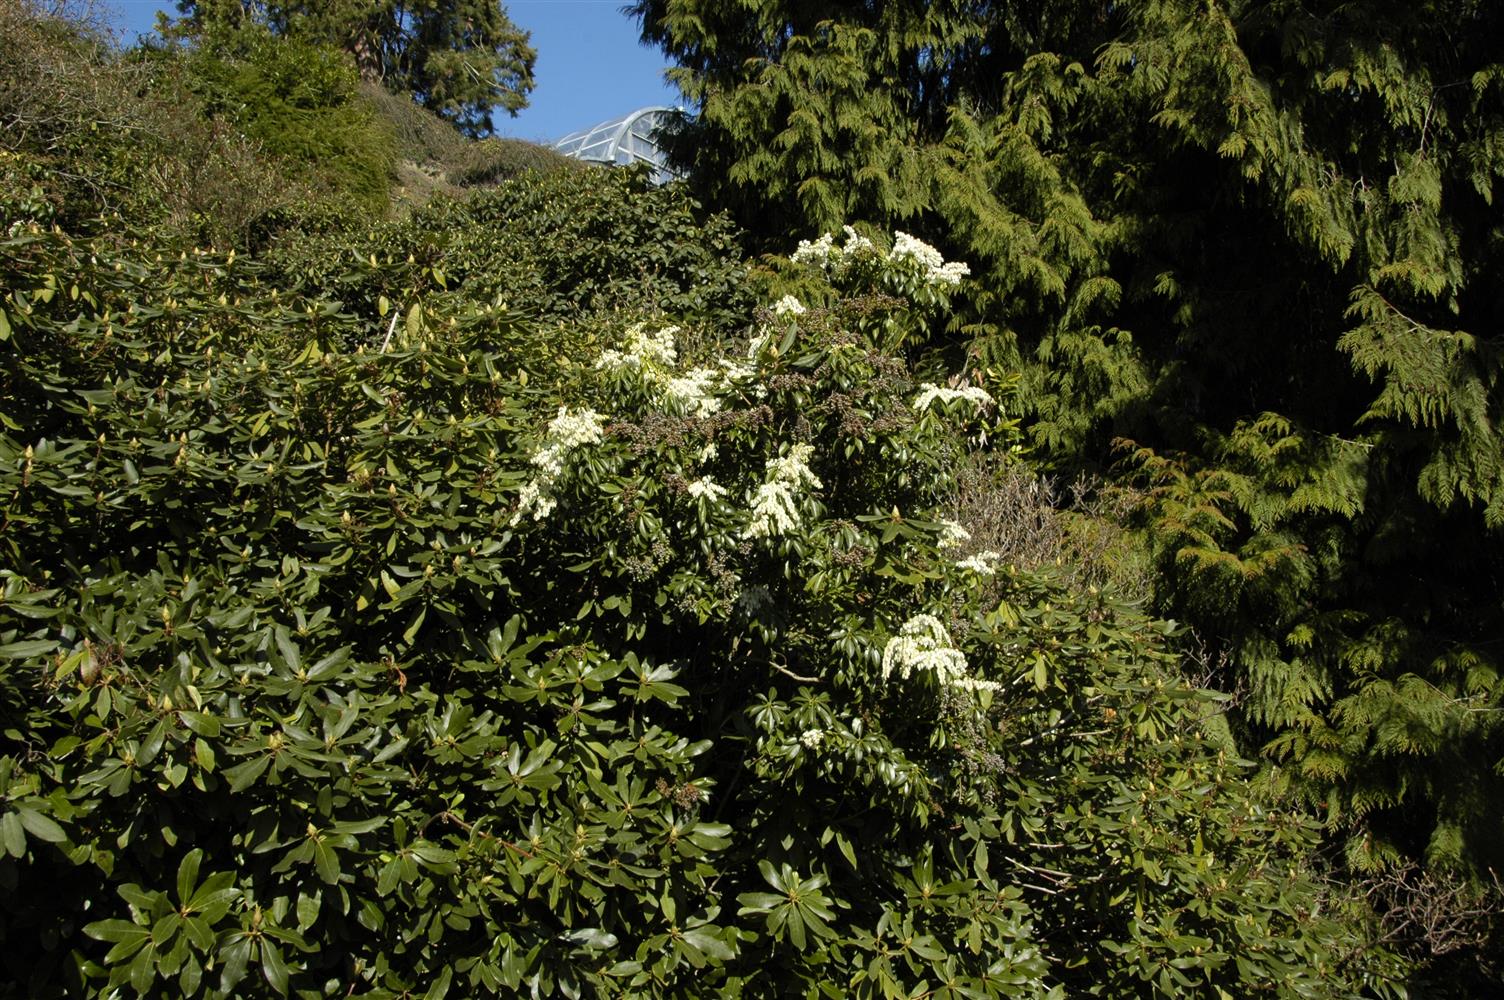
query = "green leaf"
{"x": 144, "y": 970}
{"x": 40, "y": 826}
{"x": 327, "y": 862}
{"x": 243, "y": 776}
{"x": 849, "y": 853}
{"x": 288, "y": 649}
{"x": 592, "y": 938}
{"x": 308, "y": 910}
{"x": 200, "y": 723}
{"x": 237, "y": 956}
{"x": 13, "y": 834}
{"x": 200, "y": 933}
{"x": 707, "y": 941}
{"x": 188, "y": 874}
{"x": 116, "y": 931}
{"x": 26, "y": 649}
{"x": 439, "y": 988}
{"x": 272, "y": 966}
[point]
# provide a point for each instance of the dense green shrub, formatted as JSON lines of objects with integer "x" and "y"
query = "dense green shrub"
{"x": 560, "y": 246}
{"x": 422, "y": 136}
{"x": 228, "y": 143}
{"x": 495, "y": 662}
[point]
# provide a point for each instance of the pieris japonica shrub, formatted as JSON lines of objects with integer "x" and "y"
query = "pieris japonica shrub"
{"x": 485, "y": 665}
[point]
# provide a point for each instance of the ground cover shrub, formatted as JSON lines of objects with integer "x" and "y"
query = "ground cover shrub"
{"x": 464, "y": 656}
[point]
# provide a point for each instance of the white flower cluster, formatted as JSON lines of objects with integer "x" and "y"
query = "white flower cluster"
{"x": 975, "y": 684}
{"x": 569, "y": 430}
{"x": 857, "y": 245}
{"x": 817, "y": 252}
{"x": 694, "y": 393}
{"x": 952, "y": 535}
{"x": 736, "y": 371}
{"x": 758, "y": 343}
{"x": 928, "y": 393}
{"x": 706, "y": 489}
{"x": 775, "y": 508}
{"x": 982, "y": 564}
{"x": 906, "y": 247}
{"x": 934, "y": 269}
{"x": 643, "y": 350}
{"x": 653, "y": 357}
{"x": 923, "y": 645}
{"x": 789, "y": 306}
{"x": 812, "y": 738}
{"x": 824, "y": 253}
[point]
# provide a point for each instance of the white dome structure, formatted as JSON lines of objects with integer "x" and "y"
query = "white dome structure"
{"x": 624, "y": 141}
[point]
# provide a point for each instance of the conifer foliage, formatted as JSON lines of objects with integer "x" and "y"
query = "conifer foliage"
{"x": 1255, "y": 244}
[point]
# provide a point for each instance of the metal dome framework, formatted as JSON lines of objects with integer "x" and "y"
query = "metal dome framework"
{"x": 624, "y": 141}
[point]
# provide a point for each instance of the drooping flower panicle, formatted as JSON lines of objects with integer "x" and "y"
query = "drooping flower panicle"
{"x": 775, "y": 504}
{"x": 652, "y": 357}
{"x": 952, "y": 535}
{"x": 568, "y": 431}
{"x": 706, "y": 488}
{"x": 923, "y": 645}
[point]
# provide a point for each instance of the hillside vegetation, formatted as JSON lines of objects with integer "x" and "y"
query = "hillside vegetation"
{"x": 429, "y": 568}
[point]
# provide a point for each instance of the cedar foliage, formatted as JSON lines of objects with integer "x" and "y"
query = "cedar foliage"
{"x": 1254, "y": 245}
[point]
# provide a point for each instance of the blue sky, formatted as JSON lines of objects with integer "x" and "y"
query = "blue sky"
{"x": 590, "y": 68}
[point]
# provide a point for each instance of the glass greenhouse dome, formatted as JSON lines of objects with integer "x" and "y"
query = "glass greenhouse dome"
{"x": 625, "y": 140}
